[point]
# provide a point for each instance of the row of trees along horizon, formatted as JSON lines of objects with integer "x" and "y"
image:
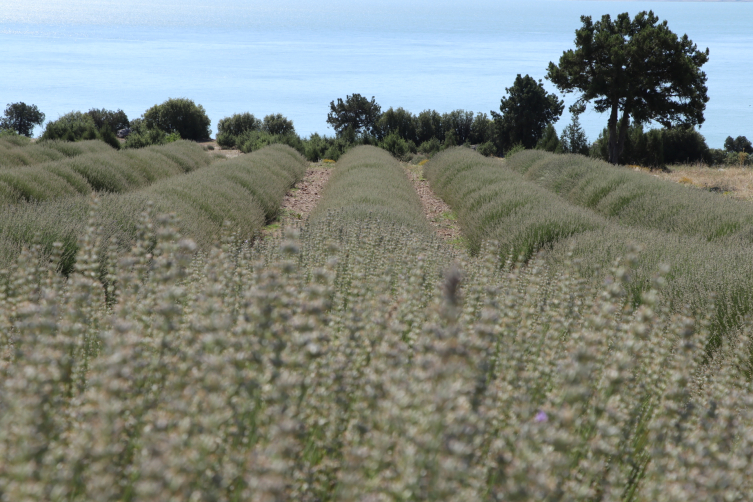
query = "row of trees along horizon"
{"x": 638, "y": 71}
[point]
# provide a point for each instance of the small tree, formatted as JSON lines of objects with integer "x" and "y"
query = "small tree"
{"x": 636, "y": 70}
{"x": 460, "y": 123}
{"x": 549, "y": 140}
{"x": 737, "y": 145}
{"x": 482, "y": 129}
{"x": 238, "y": 124}
{"x": 428, "y": 126}
{"x": 277, "y": 124}
{"x": 399, "y": 121}
{"x": 357, "y": 113}
{"x": 525, "y": 113}
{"x": 22, "y": 118}
{"x": 179, "y": 115}
{"x": 112, "y": 120}
{"x": 574, "y": 138}
{"x": 73, "y": 126}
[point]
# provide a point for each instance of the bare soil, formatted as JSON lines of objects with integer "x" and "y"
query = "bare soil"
{"x": 217, "y": 151}
{"x": 302, "y": 198}
{"x": 439, "y": 214}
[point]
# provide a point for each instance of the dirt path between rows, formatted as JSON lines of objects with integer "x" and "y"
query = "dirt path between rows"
{"x": 439, "y": 214}
{"x": 302, "y": 198}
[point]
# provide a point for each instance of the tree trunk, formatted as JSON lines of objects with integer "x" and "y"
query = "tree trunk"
{"x": 617, "y": 133}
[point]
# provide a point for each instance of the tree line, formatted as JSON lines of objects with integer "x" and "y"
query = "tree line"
{"x": 637, "y": 71}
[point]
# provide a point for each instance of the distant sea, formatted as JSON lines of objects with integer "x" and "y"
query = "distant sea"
{"x": 294, "y": 56}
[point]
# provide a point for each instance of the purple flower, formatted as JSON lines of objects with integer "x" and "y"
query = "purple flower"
{"x": 541, "y": 417}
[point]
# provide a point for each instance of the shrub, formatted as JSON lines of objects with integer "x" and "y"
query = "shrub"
{"x": 684, "y": 145}
{"x": 255, "y": 140}
{"x": 718, "y": 156}
{"x": 657, "y": 147}
{"x": 549, "y": 142}
{"x": 487, "y": 149}
{"x": 430, "y": 147}
{"x": 398, "y": 121}
{"x": 106, "y": 135}
{"x": 226, "y": 140}
{"x": 315, "y": 147}
{"x": 238, "y": 124}
{"x": 396, "y": 145}
{"x": 109, "y": 119}
{"x": 278, "y": 125}
{"x": 73, "y": 126}
{"x": 142, "y": 136}
{"x": 181, "y": 116}
{"x": 515, "y": 149}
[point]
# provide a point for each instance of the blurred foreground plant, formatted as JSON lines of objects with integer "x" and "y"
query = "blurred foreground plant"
{"x": 352, "y": 360}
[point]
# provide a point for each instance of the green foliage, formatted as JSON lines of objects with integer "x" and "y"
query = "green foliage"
{"x": 634, "y": 69}
{"x": 574, "y": 138}
{"x": 739, "y": 144}
{"x": 9, "y": 136}
{"x": 482, "y": 129}
{"x": 181, "y": 116}
{"x": 657, "y": 148}
{"x": 77, "y": 126}
{"x": 109, "y": 119}
{"x": 238, "y": 124}
{"x": 21, "y": 118}
{"x": 717, "y": 156}
{"x": 487, "y": 149}
{"x": 429, "y": 126}
{"x": 247, "y": 133}
{"x": 73, "y": 126}
{"x": 398, "y": 122}
{"x": 458, "y": 124}
{"x": 737, "y": 159}
{"x": 549, "y": 141}
{"x": 430, "y": 147}
{"x": 397, "y": 146}
{"x": 107, "y": 136}
{"x": 356, "y": 113}
{"x": 525, "y": 113}
{"x": 226, "y": 140}
{"x": 515, "y": 149}
{"x": 255, "y": 140}
{"x": 142, "y": 137}
{"x": 278, "y": 125}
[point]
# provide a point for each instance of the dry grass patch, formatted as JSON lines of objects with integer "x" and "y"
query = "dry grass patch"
{"x": 734, "y": 182}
